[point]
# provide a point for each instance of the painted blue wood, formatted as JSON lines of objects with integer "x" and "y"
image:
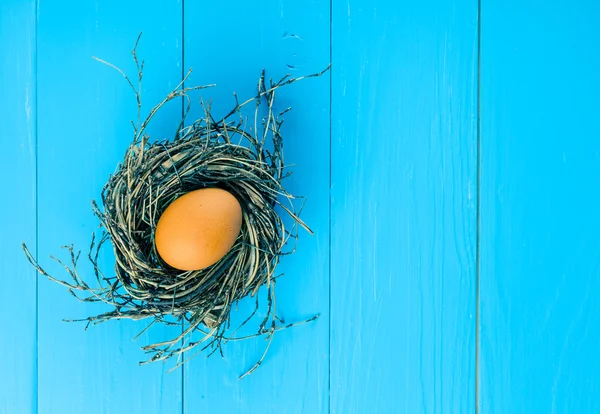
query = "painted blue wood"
{"x": 403, "y": 197}
{"x": 83, "y": 124}
{"x": 404, "y": 189}
{"x": 229, "y": 45}
{"x": 17, "y": 207}
{"x": 540, "y": 264}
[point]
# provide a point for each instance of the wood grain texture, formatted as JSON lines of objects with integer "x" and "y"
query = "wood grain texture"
{"x": 540, "y": 262}
{"x": 404, "y": 189}
{"x": 229, "y": 46}
{"x": 397, "y": 328}
{"x": 17, "y": 207}
{"x": 84, "y": 113}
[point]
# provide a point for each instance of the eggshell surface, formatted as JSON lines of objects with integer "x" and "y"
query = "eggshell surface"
{"x": 197, "y": 229}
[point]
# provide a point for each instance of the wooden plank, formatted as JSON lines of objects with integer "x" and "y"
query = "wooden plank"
{"x": 17, "y": 207}
{"x": 404, "y": 185}
{"x": 229, "y": 46}
{"x": 84, "y": 113}
{"x": 540, "y": 183}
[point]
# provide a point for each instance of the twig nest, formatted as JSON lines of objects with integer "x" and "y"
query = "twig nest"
{"x": 217, "y": 181}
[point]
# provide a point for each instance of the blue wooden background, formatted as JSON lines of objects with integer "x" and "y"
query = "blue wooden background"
{"x": 451, "y": 161}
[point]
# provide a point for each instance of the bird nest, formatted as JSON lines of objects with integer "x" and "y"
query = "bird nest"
{"x": 239, "y": 154}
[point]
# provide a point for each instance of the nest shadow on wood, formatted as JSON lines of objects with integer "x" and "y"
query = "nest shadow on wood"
{"x": 241, "y": 155}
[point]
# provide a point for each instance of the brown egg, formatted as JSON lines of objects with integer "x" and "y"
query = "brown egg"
{"x": 198, "y": 228}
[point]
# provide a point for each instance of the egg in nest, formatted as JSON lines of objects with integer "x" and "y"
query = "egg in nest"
{"x": 197, "y": 229}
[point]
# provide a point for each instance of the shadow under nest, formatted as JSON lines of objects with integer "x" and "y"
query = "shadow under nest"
{"x": 233, "y": 153}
